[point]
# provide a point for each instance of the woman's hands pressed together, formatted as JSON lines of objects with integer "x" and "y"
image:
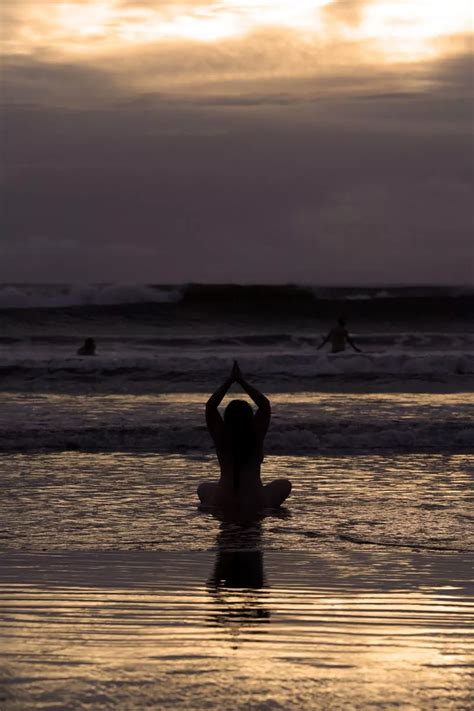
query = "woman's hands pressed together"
{"x": 236, "y": 373}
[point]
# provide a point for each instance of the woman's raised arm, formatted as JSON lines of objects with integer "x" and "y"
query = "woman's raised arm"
{"x": 214, "y": 421}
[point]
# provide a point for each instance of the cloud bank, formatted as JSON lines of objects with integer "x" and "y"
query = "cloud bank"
{"x": 329, "y": 144}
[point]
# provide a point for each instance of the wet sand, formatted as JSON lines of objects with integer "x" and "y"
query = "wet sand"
{"x": 341, "y": 629}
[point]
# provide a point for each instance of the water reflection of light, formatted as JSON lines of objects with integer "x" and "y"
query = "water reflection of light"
{"x": 146, "y": 620}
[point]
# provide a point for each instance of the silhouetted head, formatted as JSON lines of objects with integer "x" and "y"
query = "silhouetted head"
{"x": 341, "y": 321}
{"x": 238, "y": 415}
{"x": 240, "y": 434}
{"x": 88, "y": 348}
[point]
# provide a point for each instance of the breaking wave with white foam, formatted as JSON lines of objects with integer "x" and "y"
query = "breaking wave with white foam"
{"x": 434, "y": 299}
{"x": 24, "y": 296}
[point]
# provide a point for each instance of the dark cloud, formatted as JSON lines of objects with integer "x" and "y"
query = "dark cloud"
{"x": 170, "y": 165}
{"x": 195, "y": 192}
{"x": 35, "y": 81}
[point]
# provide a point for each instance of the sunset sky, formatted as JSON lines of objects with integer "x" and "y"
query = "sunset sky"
{"x": 324, "y": 142}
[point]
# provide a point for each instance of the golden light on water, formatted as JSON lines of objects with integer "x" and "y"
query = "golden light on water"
{"x": 400, "y": 30}
{"x": 87, "y": 615}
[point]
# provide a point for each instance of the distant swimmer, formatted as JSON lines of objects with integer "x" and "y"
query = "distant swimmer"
{"x": 238, "y": 438}
{"x": 88, "y": 348}
{"x": 339, "y": 336}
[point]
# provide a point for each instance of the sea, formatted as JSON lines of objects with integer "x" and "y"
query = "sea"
{"x": 123, "y": 427}
{"x": 135, "y": 598}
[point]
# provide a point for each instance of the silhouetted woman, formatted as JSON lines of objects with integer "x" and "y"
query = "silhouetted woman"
{"x": 238, "y": 438}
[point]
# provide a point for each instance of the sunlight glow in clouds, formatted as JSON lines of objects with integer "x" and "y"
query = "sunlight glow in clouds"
{"x": 201, "y": 22}
{"x": 408, "y": 28}
{"x": 400, "y": 29}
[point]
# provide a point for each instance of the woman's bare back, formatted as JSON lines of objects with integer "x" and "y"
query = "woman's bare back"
{"x": 240, "y": 487}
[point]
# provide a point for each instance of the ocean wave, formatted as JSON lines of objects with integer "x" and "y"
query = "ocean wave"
{"x": 158, "y": 370}
{"x": 289, "y": 342}
{"x": 28, "y": 296}
{"x": 234, "y": 296}
{"x": 293, "y": 438}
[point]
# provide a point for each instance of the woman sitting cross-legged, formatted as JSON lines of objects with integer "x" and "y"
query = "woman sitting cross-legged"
{"x": 238, "y": 438}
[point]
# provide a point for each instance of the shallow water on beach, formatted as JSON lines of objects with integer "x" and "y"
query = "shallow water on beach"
{"x": 117, "y": 592}
{"x": 73, "y": 500}
{"x": 302, "y": 422}
{"x": 334, "y": 630}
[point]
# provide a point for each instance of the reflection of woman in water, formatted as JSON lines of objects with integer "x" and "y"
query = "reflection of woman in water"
{"x": 237, "y": 582}
{"x": 238, "y": 439}
{"x": 239, "y": 559}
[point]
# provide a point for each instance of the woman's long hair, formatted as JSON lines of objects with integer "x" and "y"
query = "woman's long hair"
{"x": 240, "y": 435}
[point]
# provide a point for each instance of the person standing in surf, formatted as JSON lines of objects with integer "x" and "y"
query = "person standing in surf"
{"x": 238, "y": 438}
{"x": 339, "y": 336}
